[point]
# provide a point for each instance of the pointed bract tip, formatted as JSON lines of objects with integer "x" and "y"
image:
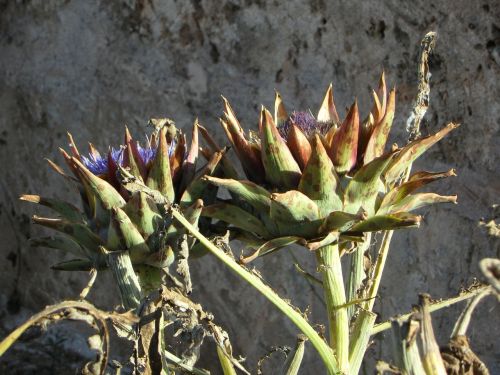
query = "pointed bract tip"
{"x": 128, "y": 136}
{"x": 64, "y": 153}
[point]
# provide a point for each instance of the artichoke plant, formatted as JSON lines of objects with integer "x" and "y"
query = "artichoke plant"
{"x": 118, "y": 218}
{"x": 326, "y": 184}
{"x": 319, "y": 180}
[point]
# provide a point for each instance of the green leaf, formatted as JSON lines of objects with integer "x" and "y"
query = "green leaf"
{"x": 362, "y": 191}
{"x": 74, "y": 265}
{"x": 236, "y": 217}
{"x": 305, "y": 229}
{"x": 339, "y": 221}
{"x": 79, "y": 232}
{"x": 142, "y": 211}
{"x": 160, "y": 177}
{"x": 59, "y": 243}
{"x": 325, "y": 241}
{"x": 281, "y": 168}
{"x": 408, "y": 154}
{"x": 99, "y": 188}
{"x": 387, "y": 222}
{"x": 271, "y": 246}
{"x": 319, "y": 180}
{"x": 415, "y": 182}
{"x": 256, "y": 196}
{"x": 123, "y": 235}
{"x": 293, "y": 206}
{"x": 66, "y": 210}
{"x": 416, "y": 201}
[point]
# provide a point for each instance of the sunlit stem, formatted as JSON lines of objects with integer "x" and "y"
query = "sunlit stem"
{"x": 460, "y": 328}
{"x": 225, "y": 362}
{"x": 379, "y": 269}
{"x": 357, "y": 273}
{"x": 359, "y": 339}
{"x": 328, "y": 258}
{"x": 436, "y": 306}
{"x": 296, "y": 317}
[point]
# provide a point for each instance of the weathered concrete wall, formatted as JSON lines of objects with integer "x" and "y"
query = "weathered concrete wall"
{"x": 92, "y": 66}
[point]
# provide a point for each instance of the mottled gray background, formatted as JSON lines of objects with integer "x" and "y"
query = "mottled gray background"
{"x": 92, "y": 66}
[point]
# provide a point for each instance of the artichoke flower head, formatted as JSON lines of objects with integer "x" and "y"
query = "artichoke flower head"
{"x": 319, "y": 180}
{"x": 123, "y": 195}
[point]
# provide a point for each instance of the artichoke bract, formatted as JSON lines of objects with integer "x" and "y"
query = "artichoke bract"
{"x": 116, "y": 217}
{"x": 317, "y": 180}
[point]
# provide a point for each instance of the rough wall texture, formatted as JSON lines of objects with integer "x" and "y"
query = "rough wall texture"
{"x": 92, "y": 66}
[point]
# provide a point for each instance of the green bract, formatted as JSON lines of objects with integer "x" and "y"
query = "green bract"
{"x": 319, "y": 180}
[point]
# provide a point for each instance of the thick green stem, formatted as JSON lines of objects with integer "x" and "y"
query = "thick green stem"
{"x": 128, "y": 284}
{"x": 357, "y": 273}
{"x": 333, "y": 286}
{"x": 359, "y": 339}
{"x": 321, "y": 346}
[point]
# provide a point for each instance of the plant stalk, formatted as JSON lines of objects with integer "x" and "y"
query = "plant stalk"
{"x": 329, "y": 265}
{"x": 294, "y": 359}
{"x": 434, "y": 307}
{"x": 321, "y": 346}
{"x": 130, "y": 290}
{"x": 359, "y": 339}
{"x": 225, "y": 362}
{"x": 379, "y": 269}
{"x": 357, "y": 273}
{"x": 460, "y": 328}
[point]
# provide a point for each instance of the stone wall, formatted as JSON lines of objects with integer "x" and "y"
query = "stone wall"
{"x": 90, "y": 67}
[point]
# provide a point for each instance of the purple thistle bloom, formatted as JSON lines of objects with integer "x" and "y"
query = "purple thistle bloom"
{"x": 98, "y": 164}
{"x": 147, "y": 153}
{"x": 305, "y": 122}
